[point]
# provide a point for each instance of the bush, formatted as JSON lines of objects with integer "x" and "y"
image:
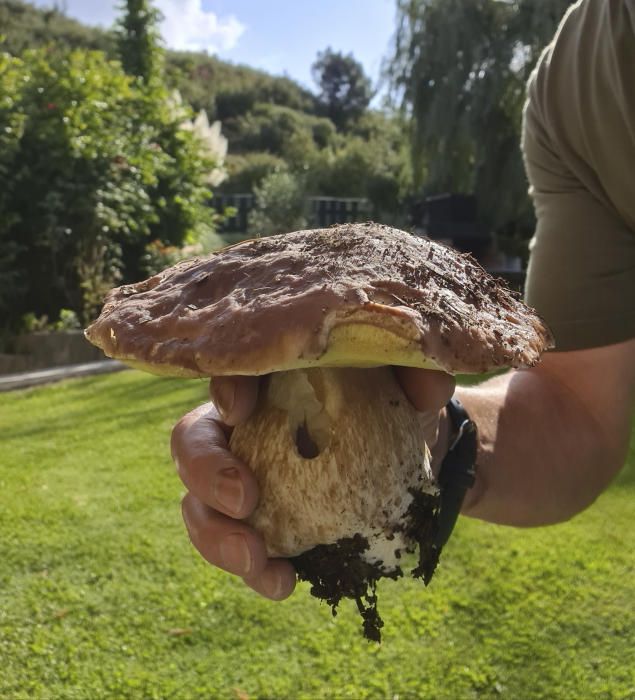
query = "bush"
{"x": 280, "y": 205}
{"x": 12, "y": 282}
{"x": 373, "y": 169}
{"x": 270, "y": 127}
{"x": 246, "y": 171}
{"x": 158, "y": 256}
{"x": 67, "y": 321}
{"x": 227, "y": 90}
{"x": 100, "y": 167}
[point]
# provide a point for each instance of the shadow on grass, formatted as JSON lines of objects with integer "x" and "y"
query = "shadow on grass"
{"x": 139, "y": 399}
{"x": 105, "y": 407}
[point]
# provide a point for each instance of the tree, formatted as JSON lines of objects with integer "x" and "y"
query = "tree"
{"x": 271, "y": 127}
{"x": 368, "y": 162}
{"x": 345, "y": 91}
{"x": 92, "y": 168}
{"x": 138, "y": 39}
{"x": 178, "y": 195}
{"x": 459, "y": 69}
{"x": 12, "y": 283}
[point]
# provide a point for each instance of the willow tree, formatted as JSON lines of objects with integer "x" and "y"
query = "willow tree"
{"x": 459, "y": 70}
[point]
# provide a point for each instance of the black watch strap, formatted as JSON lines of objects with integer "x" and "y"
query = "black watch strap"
{"x": 458, "y": 470}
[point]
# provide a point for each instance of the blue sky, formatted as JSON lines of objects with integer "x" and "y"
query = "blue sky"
{"x": 279, "y": 36}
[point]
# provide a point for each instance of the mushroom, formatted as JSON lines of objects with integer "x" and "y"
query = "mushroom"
{"x": 344, "y": 471}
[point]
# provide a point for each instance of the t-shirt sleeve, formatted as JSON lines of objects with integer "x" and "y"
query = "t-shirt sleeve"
{"x": 579, "y": 151}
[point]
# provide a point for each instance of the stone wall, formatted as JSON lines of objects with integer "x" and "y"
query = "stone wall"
{"x": 42, "y": 350}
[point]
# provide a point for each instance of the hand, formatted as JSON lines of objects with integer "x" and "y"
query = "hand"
{"x": 222, "y": 490}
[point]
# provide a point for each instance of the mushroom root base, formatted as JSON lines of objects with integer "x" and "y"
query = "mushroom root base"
{"x": 345, "y": 480}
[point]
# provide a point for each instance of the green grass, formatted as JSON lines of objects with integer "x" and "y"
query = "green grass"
{"x": 101, "y": 595}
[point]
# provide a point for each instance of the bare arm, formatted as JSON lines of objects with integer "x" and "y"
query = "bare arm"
{"x": 552, "y": 437}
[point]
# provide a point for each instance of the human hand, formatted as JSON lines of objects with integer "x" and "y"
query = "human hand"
{"x": 222, "y": 490}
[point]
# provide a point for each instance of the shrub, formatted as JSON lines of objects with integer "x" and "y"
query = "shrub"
{"x": 270, "y": 127}
{"x": 101, "y": 166}
{"x": 246, "y": 171}
{"x": 280, "y": 205}
{"x": 12, "y": 282}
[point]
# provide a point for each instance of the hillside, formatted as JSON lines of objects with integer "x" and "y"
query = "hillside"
{"x": 23, "y": 26}
{"x": 271, "y": 122}
{"x": 223, "y": 89}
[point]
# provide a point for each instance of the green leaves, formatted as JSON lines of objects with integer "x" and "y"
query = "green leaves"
{"x": 459, "y": 69}
{"x": 280, "y": 205}
{"x": 139, "y": 40}
{"x": 94, "y": 165}
{"x": 345, "y": 91}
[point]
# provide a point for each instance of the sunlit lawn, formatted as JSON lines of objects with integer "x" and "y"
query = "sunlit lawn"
{"x": 101, "y": 595}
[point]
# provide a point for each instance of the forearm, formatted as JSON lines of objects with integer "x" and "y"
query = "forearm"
{"x": 543, "y": 454}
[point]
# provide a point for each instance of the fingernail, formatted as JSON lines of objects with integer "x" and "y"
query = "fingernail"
{"x": 224, "y": 395}
{"x": 272, "y": 583}
{"x": 235, "y": 555}
{"x": 229, "y": 491}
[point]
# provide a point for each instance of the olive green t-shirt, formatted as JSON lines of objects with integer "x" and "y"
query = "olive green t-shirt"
{"x": 579, "y": 150}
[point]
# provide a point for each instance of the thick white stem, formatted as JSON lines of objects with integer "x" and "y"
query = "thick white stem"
{"x": 337, "y": 452}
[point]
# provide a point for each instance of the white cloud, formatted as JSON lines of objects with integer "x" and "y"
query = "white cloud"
{"x": 188, "y": 27}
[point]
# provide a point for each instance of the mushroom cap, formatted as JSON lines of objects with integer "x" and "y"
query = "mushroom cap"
{"x": 353, "y": 295}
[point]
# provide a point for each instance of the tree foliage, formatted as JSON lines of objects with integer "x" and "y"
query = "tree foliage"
{"x": 95, "y": 164}
{"x": 247, "y": 170}
{"x": 459, "y": 68}
{"x": 138, "y": 39}
{"x": 94, "y": 168}
{"x": 280, "y": 205}
{"x": 23, "y": 26}
{"x": 272, "y": 128}
{"x": 12, "y": 283}
{"x": 345, "y": 91}
{"x": 369, "y": 162}
{"x": 227, "y": 91}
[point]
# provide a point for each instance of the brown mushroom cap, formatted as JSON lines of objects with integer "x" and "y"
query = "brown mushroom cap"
{"x": 351, "y": 295}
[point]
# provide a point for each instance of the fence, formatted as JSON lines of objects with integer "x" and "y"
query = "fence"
{"x": 321, "y": 211}
{"x": 42, "y": 350}
{"x": 326, "y": 211}
{"x": 242, "y": 204}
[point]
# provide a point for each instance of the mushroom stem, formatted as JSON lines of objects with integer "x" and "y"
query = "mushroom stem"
{"x": 337, "y": 453}
{"x": 346, "y": 486}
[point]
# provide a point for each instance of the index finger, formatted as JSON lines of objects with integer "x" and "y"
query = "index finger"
{"x": 207, "y": 467}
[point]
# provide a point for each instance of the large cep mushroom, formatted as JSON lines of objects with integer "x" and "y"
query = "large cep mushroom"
{"x": 339, "y": 453}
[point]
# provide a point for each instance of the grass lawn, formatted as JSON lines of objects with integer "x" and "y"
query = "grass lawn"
{"x": 101, "y": 595}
